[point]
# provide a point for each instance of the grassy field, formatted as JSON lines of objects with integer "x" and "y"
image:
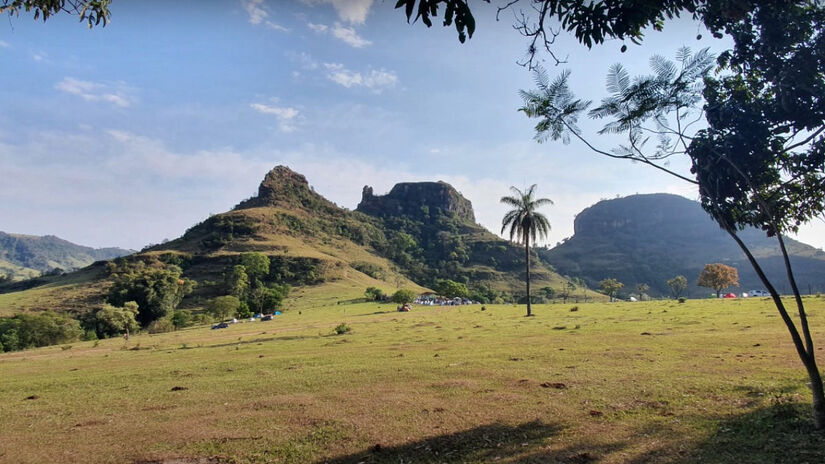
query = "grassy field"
{"x": 705, "y": 381}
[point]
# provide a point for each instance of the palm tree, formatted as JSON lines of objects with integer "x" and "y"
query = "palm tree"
{"x": 525, "y": 223}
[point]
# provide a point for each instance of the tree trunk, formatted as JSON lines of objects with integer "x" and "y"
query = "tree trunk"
{"x": 527, "y": 262}
{"x": 806, "y": 357}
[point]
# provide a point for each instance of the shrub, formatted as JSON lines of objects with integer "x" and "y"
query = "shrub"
{"x": 375, "y": 294}
{"x": 40, "y": 329}
{"x": 223, "y": 306}
{"x": 682, "y": 299}
{"x": 181, "y": 319}
{"x": 160, "y": 326}
{"x": 403, "y": 296}
{"x": 342, "y": 328}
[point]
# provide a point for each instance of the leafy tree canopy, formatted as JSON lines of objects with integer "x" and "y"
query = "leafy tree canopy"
{"x": 93, "y": 12}
{"x": 718, "y": 277}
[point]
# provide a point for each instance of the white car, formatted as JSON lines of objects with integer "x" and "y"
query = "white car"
{"x": 757, "y": 293}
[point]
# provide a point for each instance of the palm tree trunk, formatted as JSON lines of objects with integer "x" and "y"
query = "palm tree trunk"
{"x": 527, "y": 261}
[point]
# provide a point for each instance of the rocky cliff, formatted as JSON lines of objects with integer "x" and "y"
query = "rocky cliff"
{"x": 417, "y": 200}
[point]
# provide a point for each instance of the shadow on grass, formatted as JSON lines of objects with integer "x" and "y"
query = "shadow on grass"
{"x": 486, "y": 443}
{"x": 782, "y": 433}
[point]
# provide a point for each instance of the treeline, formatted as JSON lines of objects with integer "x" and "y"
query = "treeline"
{"x": 146, "y": 291}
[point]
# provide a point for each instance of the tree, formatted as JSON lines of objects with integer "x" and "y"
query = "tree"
{"x": 180, "y": 319}
{"x": 374, "y": 294}
{"x": 94, "y": 12}
{"x": 157, "y": 288}
{"x": 256, "y": 265}
{"x": 525, "y": 223}
{"x": 718, "y": 277}
{"x": 111, "y": 320}
{"x": 610, "y": 287}
{"x": 451, "y": 289}
{"x": 403, "y": 296}
{"x": 641, "y": 289}
{"x": 758, "y": 161}
{"x": 677, "y": 286}
{"x": 223, "y": 307}
{"x": 237, "y": 282}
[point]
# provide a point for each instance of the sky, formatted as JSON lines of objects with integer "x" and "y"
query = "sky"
{"x": 129, "y": 134}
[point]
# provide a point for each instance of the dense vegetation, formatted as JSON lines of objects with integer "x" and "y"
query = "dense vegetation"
{"x": 651, "y": 239}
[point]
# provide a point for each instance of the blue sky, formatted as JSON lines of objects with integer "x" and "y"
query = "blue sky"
{"x": 129, "y": 134}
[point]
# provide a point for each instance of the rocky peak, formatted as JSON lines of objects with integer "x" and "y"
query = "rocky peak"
{"x": 283, "y": 187}
{"x": 418, "y": 200}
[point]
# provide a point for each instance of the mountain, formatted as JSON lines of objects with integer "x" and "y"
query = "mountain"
{"x": 652, "y": 238}
{"x": 411, "y": 237}
{"x": 433, "y": 235}
{"x": 26, "y": 256}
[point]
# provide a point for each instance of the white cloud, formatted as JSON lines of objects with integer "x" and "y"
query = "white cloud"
{"x": 375, "y": 80}
{"x": 285, "y": 115}
{"x": 275, "y": 26}
{"x": 4, "y": 44}
{"x": 349, "y": 36}
{"x": 255, "y": 10}
{"x": 37, "y": 56}
{"x": 351, "y": 11}
{"x": 117, "y": 95}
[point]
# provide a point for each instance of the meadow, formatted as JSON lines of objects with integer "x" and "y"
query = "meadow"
{"x": 705, "y": 381}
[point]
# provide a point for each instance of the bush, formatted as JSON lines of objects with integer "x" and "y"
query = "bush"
{"x": 403, "y": 296}
{"x": 30, "y": 330}
{"x": 342, "y": 328}
{"x": 160, "y": 326}
{"x": 375, "y": 294}
{"x": 682, "y": 299}
{"x": 181, "y": 319}
{"x": 223, "y": 307}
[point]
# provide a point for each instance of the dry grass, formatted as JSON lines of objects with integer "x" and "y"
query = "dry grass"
{"x": 705, "y": 381}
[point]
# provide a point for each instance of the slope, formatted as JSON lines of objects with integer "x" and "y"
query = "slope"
{"x": 26, "y": 256}
{"x": 652, "y": 238}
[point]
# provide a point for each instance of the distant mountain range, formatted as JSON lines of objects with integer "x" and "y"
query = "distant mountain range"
{"x": 651, "y": 238}
{"x": 26, "y": 256}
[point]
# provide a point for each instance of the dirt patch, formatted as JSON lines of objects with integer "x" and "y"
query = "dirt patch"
{"x": 178, "y": 388}
{"x": 556, "y": 385}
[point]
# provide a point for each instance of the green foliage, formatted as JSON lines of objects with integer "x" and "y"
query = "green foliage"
{"x": 223, "y": 307}
{"x": 403, "y": 296}
{"x": 374, "y": 294}
{"x": 30, "y": 330}
{"x": 548, "y": 292}
{"x": 267, "y": 299}
{"x": 641, "y": 290}
{"x": 256, "y": 265}
{"x": 610, "y": 287}
{"x": 237, "y": 282}
{"x": 93, "y": 12}
{"x": 677, "y": 286}
{"x": 109, "y": 321}
{"x": 342, "y": 328}
{"x": 156, "y": 287}
{"x": 181, "y": 319}
{"x": 372, "y": 270}
{"x": 525, "y": 224}
{"x": 451, "y": 289}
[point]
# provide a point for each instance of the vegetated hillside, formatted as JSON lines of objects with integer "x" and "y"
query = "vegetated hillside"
{"x": 652, "y": 238}
{"x": 26, "y": 256}
{"x": 433, "y": 235}
{"x": 311, "y": 242}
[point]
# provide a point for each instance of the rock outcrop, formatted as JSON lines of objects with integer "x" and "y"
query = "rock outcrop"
{"x": 417, "y": 200}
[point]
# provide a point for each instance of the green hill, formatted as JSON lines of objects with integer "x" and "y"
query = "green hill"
{"x": 27, "y": 256}
{"x": 412, "y": 237}
{"x": 652, "y": 238}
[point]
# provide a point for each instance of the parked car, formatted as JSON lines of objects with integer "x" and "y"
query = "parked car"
{"x": 268, "y": 317}
{"x": 758, "y": 293}
{"x": 221, "y": 325}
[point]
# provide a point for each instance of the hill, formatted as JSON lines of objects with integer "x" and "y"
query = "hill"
{"x": 27, "y": 256}
{"x": 652, "y": 238}
{"x": 412, "y": 237}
